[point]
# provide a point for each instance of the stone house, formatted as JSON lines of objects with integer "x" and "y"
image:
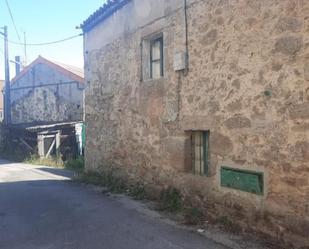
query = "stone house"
{"x": 47, "y": 107}
{"x": 210, "y": 97}
{"x": 47, "y": 92}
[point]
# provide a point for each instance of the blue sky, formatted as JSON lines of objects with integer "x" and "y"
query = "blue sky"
{"x": 44, "y": 21}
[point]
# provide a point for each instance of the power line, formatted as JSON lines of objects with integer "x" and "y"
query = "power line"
{"x": 12, "y": 18}
{"x": 2, "y": 52}
{"x": 46, "y": 43}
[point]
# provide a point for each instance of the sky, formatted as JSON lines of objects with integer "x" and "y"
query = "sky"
{"x": 45, "y": 21}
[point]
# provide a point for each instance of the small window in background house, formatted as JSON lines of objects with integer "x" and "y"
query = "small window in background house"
{"x": 200, "y": 152}
{"x": 156, "y": 58}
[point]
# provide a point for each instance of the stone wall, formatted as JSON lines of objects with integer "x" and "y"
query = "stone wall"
{"x": 45, "y": 95}
{"x": 248, "y": 84}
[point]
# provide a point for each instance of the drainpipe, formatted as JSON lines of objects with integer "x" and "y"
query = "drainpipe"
{"x": 186, "y": 37}
{"x": 7, "y": 96}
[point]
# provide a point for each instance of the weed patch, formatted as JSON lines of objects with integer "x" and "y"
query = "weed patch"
{"x": 114, "y": 184}
{"x": 91, "y": 178}
{"x": 50, "y": 161}
{"x": 193, "y": 216}
{"x": 137, "y": 191}
{"x": 225, "y": 221}
{"x": 77, "y": 164}
{"x": 170, "y": 200}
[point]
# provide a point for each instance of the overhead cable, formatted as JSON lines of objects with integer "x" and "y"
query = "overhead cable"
{"x": 12, "y": 18}
{"x": 46, "y": 43}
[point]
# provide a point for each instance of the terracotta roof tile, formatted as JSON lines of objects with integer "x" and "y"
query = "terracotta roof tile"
{"x": 109, "y": 8}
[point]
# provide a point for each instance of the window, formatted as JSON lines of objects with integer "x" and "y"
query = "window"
{"x": 152, "y": 57}
{"x": 200, "y": 152}
{"x": 156, "y": 58}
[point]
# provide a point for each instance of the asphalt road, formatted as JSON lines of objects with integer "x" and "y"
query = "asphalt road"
{"x": 40, "y": 209}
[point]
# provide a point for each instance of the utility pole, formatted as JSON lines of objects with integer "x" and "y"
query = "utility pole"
{"x": 25, "y": 50}
{"x": 7, "y": 91}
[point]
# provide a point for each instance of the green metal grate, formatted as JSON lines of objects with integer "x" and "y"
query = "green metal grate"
{"x": 245, "y": 180}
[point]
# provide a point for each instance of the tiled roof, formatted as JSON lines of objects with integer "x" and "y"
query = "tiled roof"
{"x": 110, "y": 7}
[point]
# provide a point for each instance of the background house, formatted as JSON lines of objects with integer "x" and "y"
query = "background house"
{"x": 229, "y": 127}
{"x": 47, "y": 92}
{"x": 47, "y": 107}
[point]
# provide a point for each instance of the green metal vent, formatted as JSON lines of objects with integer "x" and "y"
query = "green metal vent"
{"x": 249, "y": 181}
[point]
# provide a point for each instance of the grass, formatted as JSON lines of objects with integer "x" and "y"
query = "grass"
{"x": 76, "y": 164}
{"x": 114, "y": 184}
{"x": 107, "y": 179}
{"x": 170, "y": 199}
{"x": 50, "y": 161}
{"x": 137, "y": 191}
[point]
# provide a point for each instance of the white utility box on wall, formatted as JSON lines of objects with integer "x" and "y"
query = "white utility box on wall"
{"x": 180, "y": 61}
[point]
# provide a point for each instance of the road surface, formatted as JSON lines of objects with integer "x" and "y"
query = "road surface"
{"x": 41, "y": 209}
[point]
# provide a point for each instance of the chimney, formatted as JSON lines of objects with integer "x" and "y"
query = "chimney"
{"x": 17, "y": 65}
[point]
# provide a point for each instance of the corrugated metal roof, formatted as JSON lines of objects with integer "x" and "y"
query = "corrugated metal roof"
{"x": 102, "y": 13}
{"x": 47, "y": 125}
{"x": 71, "y": 71}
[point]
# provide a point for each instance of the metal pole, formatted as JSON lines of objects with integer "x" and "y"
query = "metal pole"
{"x": 7, "y": 116}
{"x": 25, "y": 50}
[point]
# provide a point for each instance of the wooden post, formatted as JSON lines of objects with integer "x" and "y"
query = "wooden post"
{"x": 58, "y": 141}
{"x": 41, "y": 149}
{"x": 51, "y": 148}
{"x": 26, "y": 144}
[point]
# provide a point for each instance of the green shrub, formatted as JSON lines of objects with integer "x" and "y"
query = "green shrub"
{"x": 170, "y": 200}
{"x": 137, "y": 191}
{"x": 77, "y": 164}
{"x": 225, "y": 221}
{"x": 193, "y": 216}
{"x": 91, "y": 178}
{"x": 106, "y": 179}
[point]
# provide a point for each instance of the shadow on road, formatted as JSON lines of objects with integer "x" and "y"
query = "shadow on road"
{"x": 52, "y": 214}
{"x": 4, "y": 161}
{"x": 58, "y": 172}
{"x": 55, "y": 171}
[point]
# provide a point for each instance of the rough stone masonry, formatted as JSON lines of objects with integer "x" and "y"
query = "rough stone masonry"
{"x": 45, "y": 92}
{"x": 247, "y": 84}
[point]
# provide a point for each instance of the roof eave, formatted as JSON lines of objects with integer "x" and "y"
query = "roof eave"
{"x": 93, "y": 21}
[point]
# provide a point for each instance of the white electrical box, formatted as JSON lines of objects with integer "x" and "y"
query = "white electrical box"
{"x": 180, "y": 61}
